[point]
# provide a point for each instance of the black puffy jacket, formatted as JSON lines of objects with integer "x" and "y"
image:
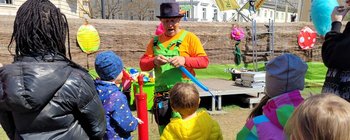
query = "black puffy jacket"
{"x": 49, "y": 100}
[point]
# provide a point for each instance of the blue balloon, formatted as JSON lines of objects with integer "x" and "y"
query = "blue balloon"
{"x": 321, "y": 11}
{"x": 194, "y": 79}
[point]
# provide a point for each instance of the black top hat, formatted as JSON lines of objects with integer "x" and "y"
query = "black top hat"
{"x": 170, "y": 10}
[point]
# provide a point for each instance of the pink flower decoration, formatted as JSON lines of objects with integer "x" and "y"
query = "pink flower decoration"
{"x": 160, "y": 29}
{"x": 237, "y": 33}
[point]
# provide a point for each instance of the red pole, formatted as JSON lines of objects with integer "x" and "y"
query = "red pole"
{"x": 141, "y": 107}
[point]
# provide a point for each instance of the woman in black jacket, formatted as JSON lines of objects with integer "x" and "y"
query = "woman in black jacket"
{"x": 43, "y": 94}
{"x": 335, "y": 55}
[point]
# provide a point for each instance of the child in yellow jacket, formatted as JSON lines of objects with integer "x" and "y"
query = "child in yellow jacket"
{"x": 184, "y": 98}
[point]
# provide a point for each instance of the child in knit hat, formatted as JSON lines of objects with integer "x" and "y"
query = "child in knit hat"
{"x": 120, "y": 121}
{"x": 284, "y": 79}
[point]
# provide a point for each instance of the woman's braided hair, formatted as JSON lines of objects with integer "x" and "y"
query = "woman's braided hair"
{"x": 40, "y": 29}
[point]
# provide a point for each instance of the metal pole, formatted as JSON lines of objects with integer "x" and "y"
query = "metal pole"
{"x": 299, "y": 10}
{"x": 274, "y": 16}
{"x": 286, "y": 12}
{"x": 192, "y": 10}
{"x": 213, "y": 103}
{"x": 103, "y": 9}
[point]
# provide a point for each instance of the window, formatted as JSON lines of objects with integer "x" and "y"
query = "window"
{"x": 6, "y": 1}
{"x": 277, "y": 15}
{"x": 86, "y": 3}
{"x": 204, "y": 13}
{"x": 215, "y": 17}
{"x": 271, "y": 14}
{"x": 225, "y": 17}
{"x": 265, "y": 13}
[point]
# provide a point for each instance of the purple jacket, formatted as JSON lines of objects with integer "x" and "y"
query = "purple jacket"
{"x": 270, "y": 125}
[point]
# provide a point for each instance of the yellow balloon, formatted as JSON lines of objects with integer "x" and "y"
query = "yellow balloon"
{"x": 88, "y": 38}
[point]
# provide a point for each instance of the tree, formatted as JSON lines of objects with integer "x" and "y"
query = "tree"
{"x": 85, "y": 7}
{"x": 142, "y": 9}
{"x": 112, "y": 8}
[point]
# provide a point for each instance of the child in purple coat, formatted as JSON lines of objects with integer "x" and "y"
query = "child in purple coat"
{"x": 120, "y": 121}
{"x": 285, "y": 76}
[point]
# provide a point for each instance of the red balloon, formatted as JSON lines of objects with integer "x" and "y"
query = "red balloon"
{"x": 307, "y": 38}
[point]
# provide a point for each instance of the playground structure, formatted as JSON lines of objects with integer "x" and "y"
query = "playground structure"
{"x": 269, "y": 52}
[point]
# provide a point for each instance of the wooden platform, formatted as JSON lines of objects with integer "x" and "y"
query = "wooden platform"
{"x": 220, "y": 87}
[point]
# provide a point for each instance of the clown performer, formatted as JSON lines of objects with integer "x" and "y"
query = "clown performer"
{"x": 165, "y": 53}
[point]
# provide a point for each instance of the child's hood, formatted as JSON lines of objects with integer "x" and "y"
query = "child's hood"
{"x": 106, "y": 88}
{"x": 27, "y": 86}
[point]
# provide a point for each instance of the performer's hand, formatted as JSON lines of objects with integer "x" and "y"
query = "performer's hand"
{"x": 177, "y": 61}
{"x": 160, "y": 60}
{"x": 339, "y": 13}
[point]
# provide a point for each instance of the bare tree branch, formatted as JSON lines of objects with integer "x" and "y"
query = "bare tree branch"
{"x": 113, "y": 7}
{"x": 85, "y": 8}
{"x": 142, "y": 9}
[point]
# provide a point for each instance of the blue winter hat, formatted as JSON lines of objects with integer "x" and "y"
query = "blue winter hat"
{"x": 284, "y": 73}
{"x": 108, "y": 65}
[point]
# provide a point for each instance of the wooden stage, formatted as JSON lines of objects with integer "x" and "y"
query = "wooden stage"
{"x": 221, "y": 87}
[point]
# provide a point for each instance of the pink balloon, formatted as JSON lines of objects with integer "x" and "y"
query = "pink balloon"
{"x": 160, "y": 29}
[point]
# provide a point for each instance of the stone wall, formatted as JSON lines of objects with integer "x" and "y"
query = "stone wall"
{"x": 129, "y": 39}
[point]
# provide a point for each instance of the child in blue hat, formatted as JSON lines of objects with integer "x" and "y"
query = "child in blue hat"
{"x": 120, "y": 121}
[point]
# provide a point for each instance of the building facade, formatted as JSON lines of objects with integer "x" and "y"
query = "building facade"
{"x": 71, "y": 8}
{"x": 278, "y": 10}
{"x": 197, "y": 10}
{"x": 205, "y": 11}
{"x": 208, "y": 11}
